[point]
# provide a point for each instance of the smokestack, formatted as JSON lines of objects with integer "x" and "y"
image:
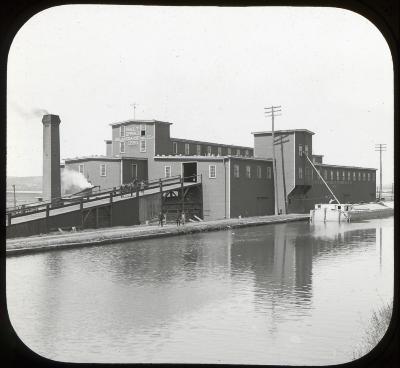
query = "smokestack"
{"x": 108, "y": 148}
{"x": 51, "y": 157}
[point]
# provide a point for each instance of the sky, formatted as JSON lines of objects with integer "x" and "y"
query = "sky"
{"x": 210, "y": 71}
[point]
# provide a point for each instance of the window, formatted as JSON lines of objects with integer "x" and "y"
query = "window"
{"x": 326, "y": 174}
{"x": 238, "y": 152}
{"x": 209, "y": 150}
{"x": 219, "y": 151}
{"x": 300, "y": 150}
{"x": 142, "y": 145}
{"x": 236, "y": 171}
{"x": 259, "y": 172}
{"x": 103, "y": 170}
{"x": 122, "y": 131}
{"x": 229, "y": 151}
{"x": 354, "y": 176}
{"x": 142, "y": 130}
{"x": 246, "y": 153}
{"x": 369, "y": 177}
{"x": 212, "y": 172}
{"x": 198, "y": 150}
{"x": 343, "y": 176}
{"x": 167, "y": 170}
{"x": 122, "y": 147}
{"x": 187, "y": 149}
{"x": 363, "y": 176}
{"x": 300, "y": 173}
{"x": 306, "y": 150}
{"x": 248, "y": 171}
{"x": 81, "y": 168}
{"x": 269, "y": 173}
{"x": 348, "y": 176}
{"x": 175, "y": 147}
{"x": 359, "y": 176}
{"x": 337, "y": 175}
{"x": 331, "y": 174}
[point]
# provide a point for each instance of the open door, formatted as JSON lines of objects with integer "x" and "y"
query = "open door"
{"x": 189, "y": 171}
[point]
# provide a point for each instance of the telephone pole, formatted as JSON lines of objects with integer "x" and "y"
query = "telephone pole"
{"x": 134, "y": 110}
{"x": 380, "y": 147}
{"x": 272, "y": 112}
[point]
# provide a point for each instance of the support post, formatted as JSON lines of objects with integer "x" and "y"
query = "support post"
{"x": 9, "y": 218}
{"x": 81, "y": 212}
{"x": 111, "y": 209}
{"x": 183, "y": 197}
{"x": 47, "y": 217}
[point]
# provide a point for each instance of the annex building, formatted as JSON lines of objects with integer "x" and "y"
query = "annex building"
{"x": 236, "y": 180}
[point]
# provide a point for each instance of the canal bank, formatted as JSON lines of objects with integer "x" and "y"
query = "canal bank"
{"x": 103, "y": 236}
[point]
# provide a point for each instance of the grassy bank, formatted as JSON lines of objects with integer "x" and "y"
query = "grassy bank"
{"x": 375, "y": 330}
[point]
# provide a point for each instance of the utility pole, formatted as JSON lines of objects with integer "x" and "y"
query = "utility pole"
{"x": 272, "y": 112}
{"x": 380, "y": 147}
{"x": 134, "y": 110}
{"x": 15, "y": 200}
{"x": 280, "y": 140}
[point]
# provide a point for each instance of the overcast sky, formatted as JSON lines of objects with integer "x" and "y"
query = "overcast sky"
{"x": 210, "y": 71}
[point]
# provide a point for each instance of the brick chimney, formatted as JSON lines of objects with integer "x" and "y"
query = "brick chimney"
{"x": 51, "y": 157}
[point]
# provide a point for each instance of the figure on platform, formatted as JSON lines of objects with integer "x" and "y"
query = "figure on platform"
{"x": 183, "y": 218}
{"x": 161, "y": 219}
{"x": 178, "y": 219}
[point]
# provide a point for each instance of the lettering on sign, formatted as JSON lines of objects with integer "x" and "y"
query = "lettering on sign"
{"x": 132, "y": 143}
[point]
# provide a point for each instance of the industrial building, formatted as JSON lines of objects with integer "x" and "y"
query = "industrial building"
{"x": 236, "y": 180}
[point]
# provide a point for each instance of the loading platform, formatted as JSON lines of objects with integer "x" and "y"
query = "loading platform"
{"x": 127, "y": 205}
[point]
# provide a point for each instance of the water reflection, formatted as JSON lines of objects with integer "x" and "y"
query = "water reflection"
{"x": 159, "y": 300}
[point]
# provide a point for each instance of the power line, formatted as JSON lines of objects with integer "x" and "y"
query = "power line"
{"x": 380, "y": 147}
{"x": 271, "y": 112}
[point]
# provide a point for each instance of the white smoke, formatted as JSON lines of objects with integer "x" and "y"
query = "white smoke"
{"x": 28, "y": 113}
{"x": 73, "y": 181}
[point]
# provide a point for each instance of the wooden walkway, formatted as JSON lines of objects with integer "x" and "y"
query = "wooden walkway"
{"x": 102, "y": 236}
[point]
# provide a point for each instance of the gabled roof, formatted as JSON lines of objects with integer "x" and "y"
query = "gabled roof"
{"x": 283, "y": 131}
{"x": 133, "y": 121}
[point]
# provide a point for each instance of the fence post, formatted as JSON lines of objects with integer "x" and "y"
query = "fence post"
{"x": 81, "y": 212}
{"x": 47, "y": 217}
{"x": 111, "y": 205}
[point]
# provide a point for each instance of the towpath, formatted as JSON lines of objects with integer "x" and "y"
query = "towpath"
{"x": 101, "y": 236}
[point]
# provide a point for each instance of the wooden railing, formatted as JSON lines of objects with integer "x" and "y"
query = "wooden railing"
{"x": 85, "y": 197}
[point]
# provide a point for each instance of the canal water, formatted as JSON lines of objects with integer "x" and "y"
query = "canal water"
{"x": 289, "y": 293}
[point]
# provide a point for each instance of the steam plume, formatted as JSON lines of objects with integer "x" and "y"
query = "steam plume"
{"x": 72, "y": 180}
{"x": 28, "y": 113}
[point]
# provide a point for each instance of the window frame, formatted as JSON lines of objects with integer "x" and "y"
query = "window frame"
{"x": 175, "y": 148}
{"x": 219, "y": 151}
{"x": 259, "y": 172}
{"x": 236, "y": 171}
{"x": 121, "y": 145}
{"x": 122, "y": 131}
{"x": 165, "y": 171}
{"x": 143, "y": 128}
{"x": 83, "y": 169}
{"x": 229, "y": 151}
{"x": 237, "y": 151}
{"x": 248, "y": 171}
{"x": 198, "y": 149}
{"x": 101, "y": 170}
{"x": 187, "y": 149}
{"x": 269, "y": 172}
{"x": 300, "y": 172}
{"x": 209, "y": 171}
{"x": 209, "y": 150}
{"x": 143, "y": 149}
{"x": 300, "y": 150}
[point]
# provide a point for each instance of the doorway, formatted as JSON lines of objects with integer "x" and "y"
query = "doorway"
{"x": 189, "y": 172}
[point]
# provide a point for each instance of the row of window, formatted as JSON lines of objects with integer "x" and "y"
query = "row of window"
{"x": 103, "y": 169}
{"x": 303, "y": 149}
{"x": 122, "y": 130}
{"x": 209, "y": 150}
{"x": 142, "y": 146}
{"x": 212, "y": 171}
{"x": 349, "y": 175}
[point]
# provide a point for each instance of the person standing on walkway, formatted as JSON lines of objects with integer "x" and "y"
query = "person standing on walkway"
{"x": 178, "y": 219}
{"x": 161, "y": 219}
{"x": 183, "y": 218}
